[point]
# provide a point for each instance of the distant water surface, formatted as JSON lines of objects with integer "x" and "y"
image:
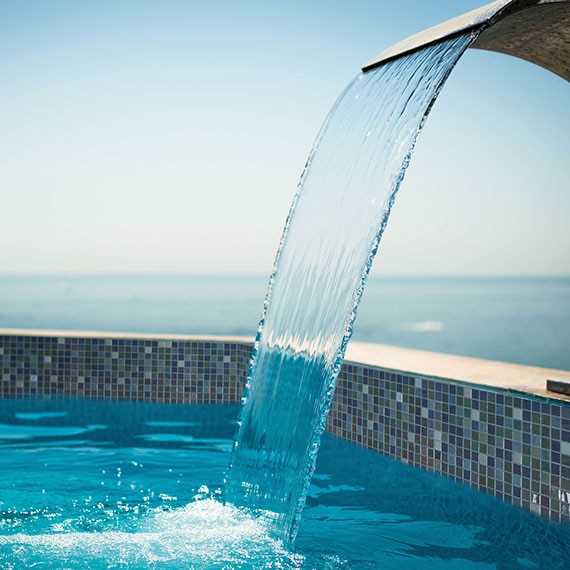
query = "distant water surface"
{"x": 522, "y": 320}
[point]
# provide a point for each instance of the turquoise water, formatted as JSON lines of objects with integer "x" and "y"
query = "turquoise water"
{"x": 515, "y": 319}
{"x": 330, "y": 239}
{"x": 143, "y": 493}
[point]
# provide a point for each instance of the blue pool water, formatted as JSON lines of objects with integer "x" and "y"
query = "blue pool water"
{"x": 87, "y": 484}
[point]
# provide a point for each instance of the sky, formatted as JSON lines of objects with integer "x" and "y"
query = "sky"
{"x": 169, "y": 137}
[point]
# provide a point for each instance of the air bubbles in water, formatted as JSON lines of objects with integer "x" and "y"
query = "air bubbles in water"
{"x": 204, "y": 534}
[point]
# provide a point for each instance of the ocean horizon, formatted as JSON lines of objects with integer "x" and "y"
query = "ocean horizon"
{"x": 524, "y": 320}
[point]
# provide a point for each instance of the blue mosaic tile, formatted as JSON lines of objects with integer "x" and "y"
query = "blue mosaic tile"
{"x": 123, "y": 369}
{"x": 505, "y": 445}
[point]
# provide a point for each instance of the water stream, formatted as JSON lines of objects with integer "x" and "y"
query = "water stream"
{"x": 331, "y": 236}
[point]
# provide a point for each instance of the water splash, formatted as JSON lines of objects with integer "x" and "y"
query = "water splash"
{"x": 330, "y": 239}
{"x": 204, "y": 534}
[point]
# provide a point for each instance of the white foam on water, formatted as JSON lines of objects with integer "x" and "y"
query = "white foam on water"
{"x": 203, "y": 534}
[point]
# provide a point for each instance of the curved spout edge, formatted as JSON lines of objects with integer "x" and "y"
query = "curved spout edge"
{"x": 534, "y": 30}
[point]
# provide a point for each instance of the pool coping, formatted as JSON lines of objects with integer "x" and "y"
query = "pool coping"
{"x": 490, "y": 373}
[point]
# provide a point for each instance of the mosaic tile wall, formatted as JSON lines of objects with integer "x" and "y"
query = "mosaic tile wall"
{"x": 516, "y": 448}
{"x": 165, "y": 371}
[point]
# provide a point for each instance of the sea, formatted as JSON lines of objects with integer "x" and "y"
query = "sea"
{"x": 524, "y": 320}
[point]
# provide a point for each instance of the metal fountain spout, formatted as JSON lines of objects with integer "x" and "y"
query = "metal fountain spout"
{"x": 534, "y": 30}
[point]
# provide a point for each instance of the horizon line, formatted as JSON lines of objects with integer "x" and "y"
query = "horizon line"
{"x": 375, "y": 275}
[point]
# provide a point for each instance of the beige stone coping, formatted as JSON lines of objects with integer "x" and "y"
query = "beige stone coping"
{"x": 123, "y": 335}
{"x": 495, "y": 374}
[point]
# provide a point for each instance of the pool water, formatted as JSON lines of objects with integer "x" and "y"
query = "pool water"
{"x": 87, "y": 484}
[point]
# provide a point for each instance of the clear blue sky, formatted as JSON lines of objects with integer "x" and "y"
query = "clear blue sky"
{"x": 145, "y": 137}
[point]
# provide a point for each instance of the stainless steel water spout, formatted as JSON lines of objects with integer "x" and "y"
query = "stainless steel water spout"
{"x": 534, "y": 30}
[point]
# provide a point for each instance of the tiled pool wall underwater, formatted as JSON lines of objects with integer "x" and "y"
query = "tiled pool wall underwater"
{"x": 507, "y": 444}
